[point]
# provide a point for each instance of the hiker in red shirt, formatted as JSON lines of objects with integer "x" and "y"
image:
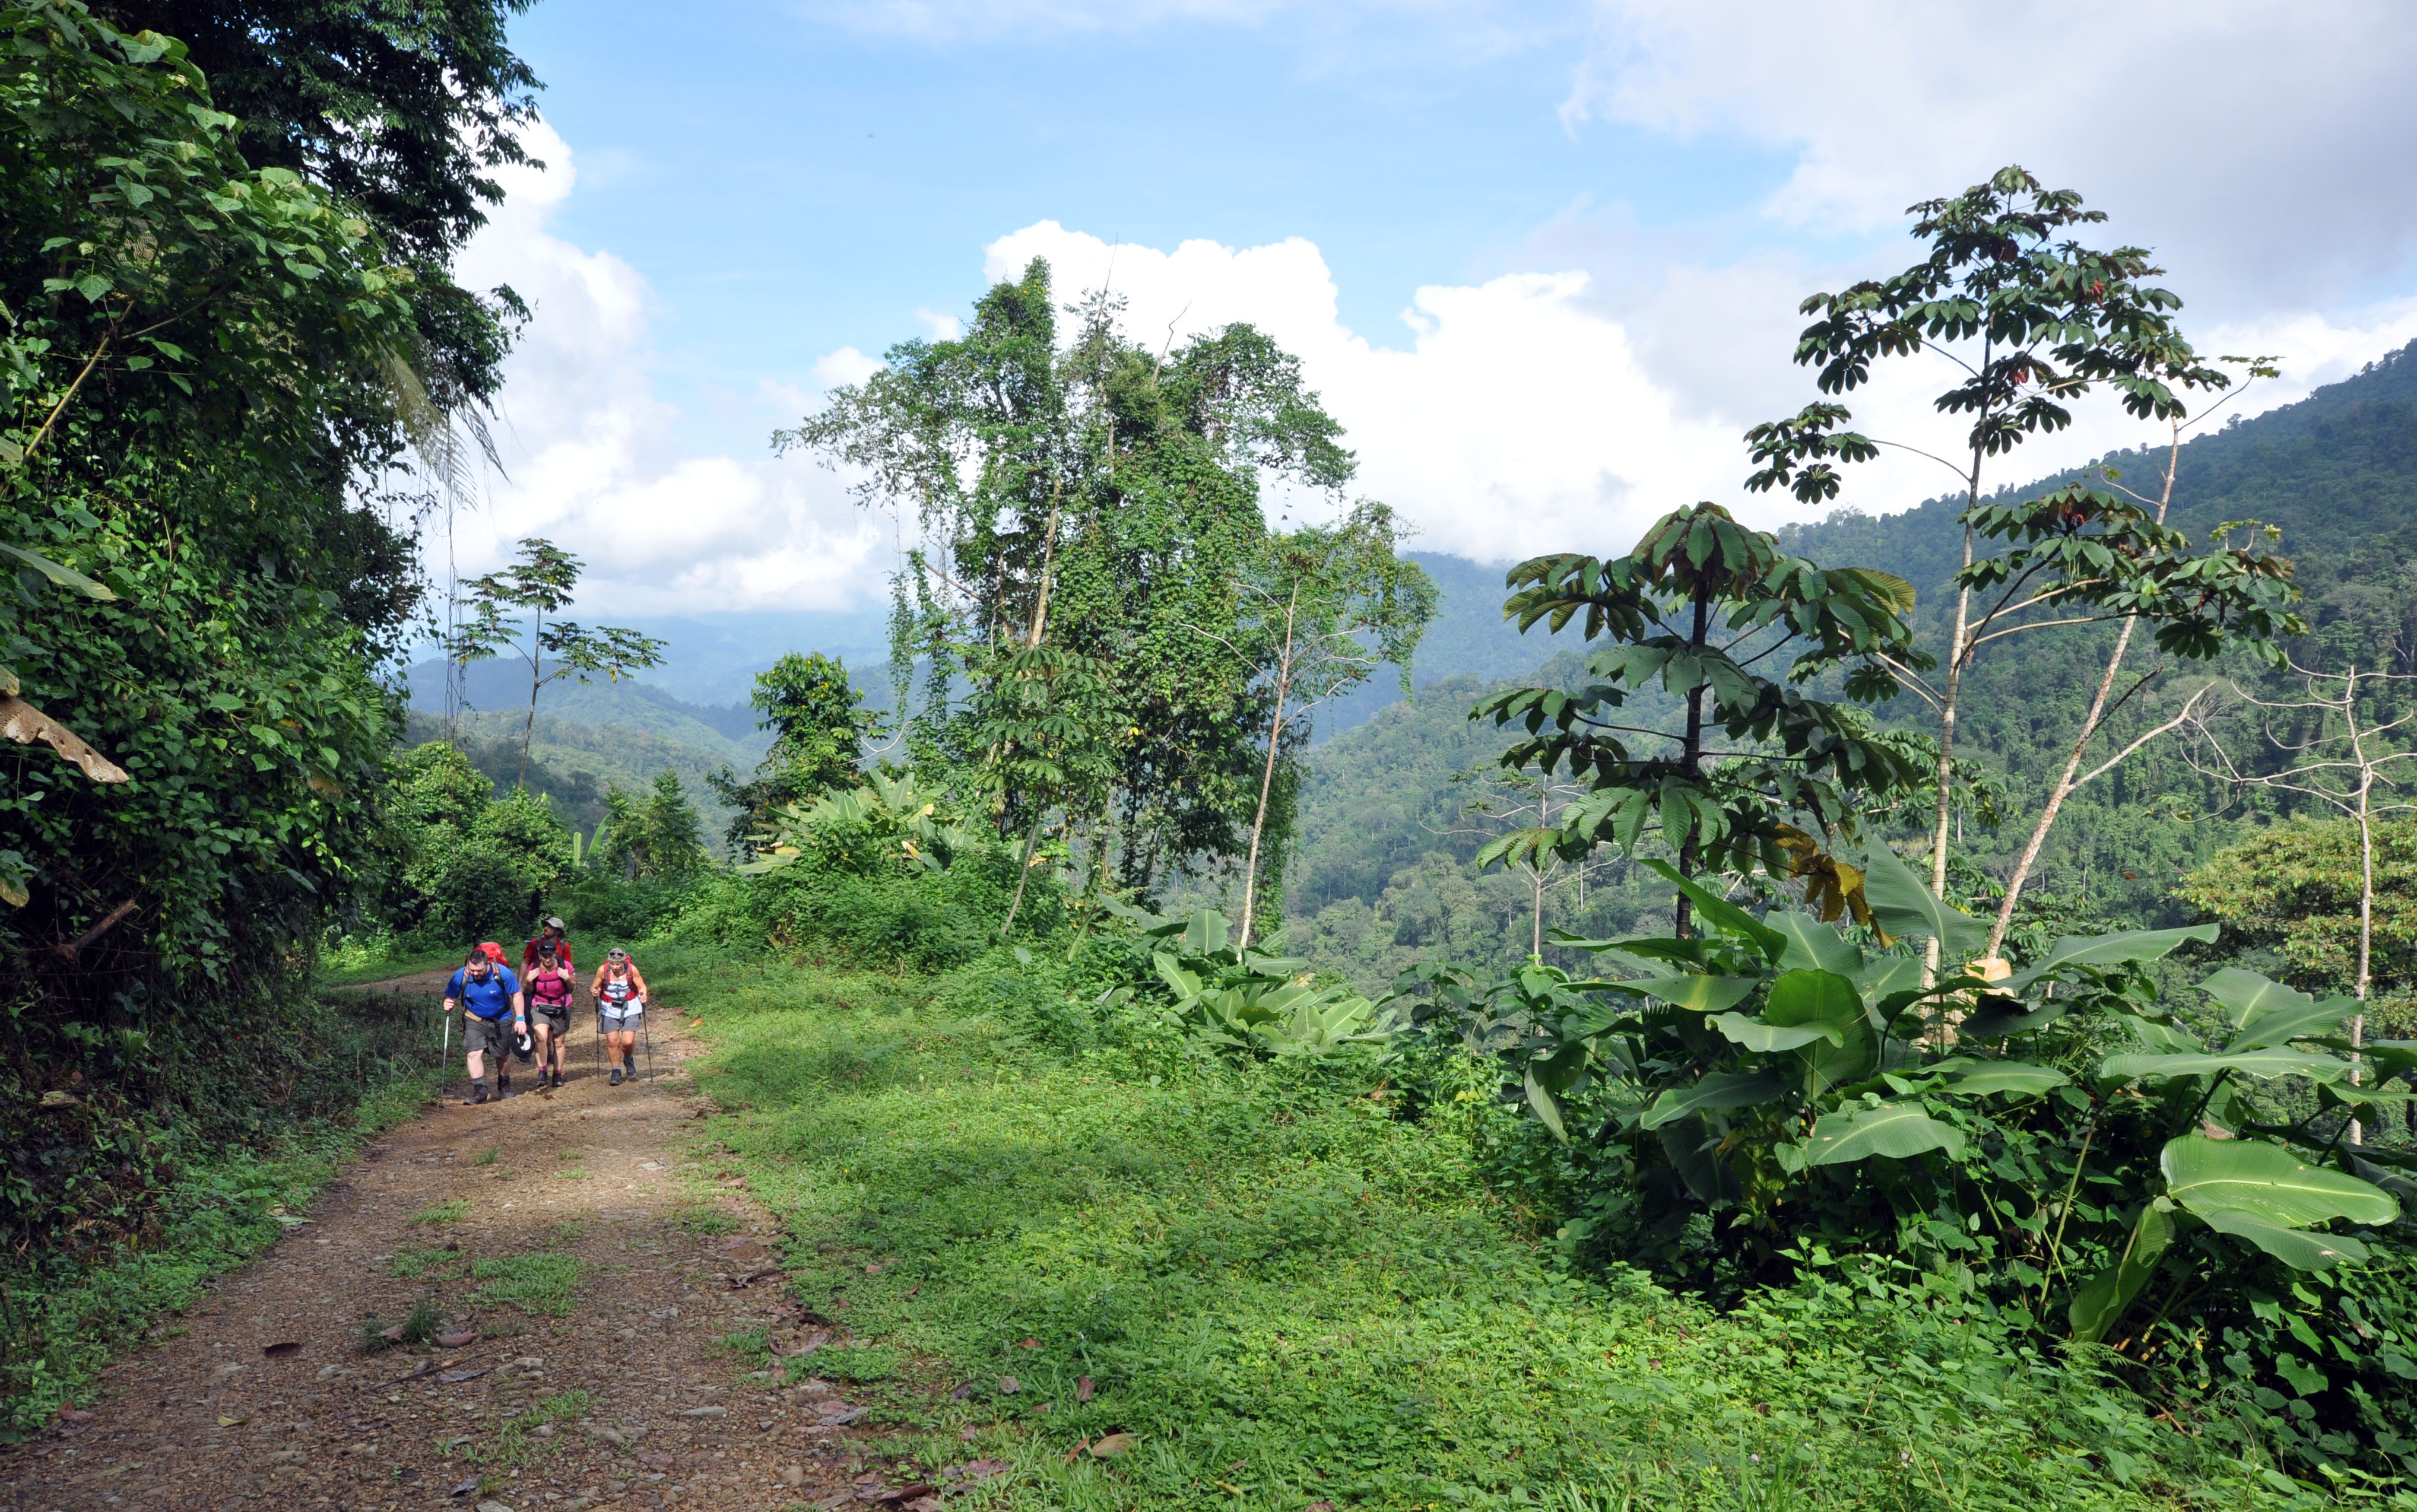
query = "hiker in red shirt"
{"x": 552, "y": 938}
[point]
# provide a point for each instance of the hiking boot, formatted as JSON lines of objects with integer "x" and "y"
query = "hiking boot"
{"x": 503, "y": 1087}
{"x": 478, "y": 1095}
{"x": 616, "y": 1076}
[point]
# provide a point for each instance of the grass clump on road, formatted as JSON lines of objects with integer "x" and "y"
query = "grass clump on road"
{"x": 1286, "y": 1290}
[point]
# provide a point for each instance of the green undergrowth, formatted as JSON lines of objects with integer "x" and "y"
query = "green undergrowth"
{"x": 1288, "y": 1292}
{"x": 61, "y": 1323}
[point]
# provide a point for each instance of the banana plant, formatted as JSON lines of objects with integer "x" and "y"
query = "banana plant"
{"x": 1233, "y": 998}
{"x": 893, "y": 819}
{"x": 1778, "y": 1068}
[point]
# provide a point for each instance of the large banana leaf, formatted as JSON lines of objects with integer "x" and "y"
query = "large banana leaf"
{"x": 1716, "y": 1093}
{"x": 2109, "y": 950}
{"x": 2001, "y": 1022}
{"x": 2256, "y": 1063}
{"x": 2295, "y": 1248}
{"x": 1720, "y": 913}
{"x": 1902, "y": 904}
{"x": 1771, "y": 1039}
{"x": 1695, "y": 991}
{"x": 2245, "y": 993}
{"x": 2096, "y": 1306}
{"x": 1897, "y": 1131}
{"x": 2283, "y": 1022}
{"x": 1809, "y": 998}
{"x": 1815, "y": 945}
{"x": 2268, "y": 1184}
{"x": 2022, "y": 1077}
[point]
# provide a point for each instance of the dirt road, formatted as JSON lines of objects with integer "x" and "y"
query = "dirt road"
{"x": 489, "y": 1221}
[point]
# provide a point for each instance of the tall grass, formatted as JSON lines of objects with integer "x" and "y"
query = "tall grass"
{"x": 1290, "y": 1292}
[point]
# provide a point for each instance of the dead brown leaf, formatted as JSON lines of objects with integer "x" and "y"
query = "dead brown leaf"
{"x": 1083, "y": 1389}
{"x": 1111, "y": 1446}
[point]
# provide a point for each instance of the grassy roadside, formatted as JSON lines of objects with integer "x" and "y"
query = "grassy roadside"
{"x": 61, "y": 1320}
{"x": 1289, "y": 1295}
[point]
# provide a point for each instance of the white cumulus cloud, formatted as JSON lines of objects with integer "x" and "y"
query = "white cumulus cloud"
{"x": 589, "y": 451}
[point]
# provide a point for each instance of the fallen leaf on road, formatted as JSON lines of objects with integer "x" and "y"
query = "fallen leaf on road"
{"x": 908, "y": 1493}
{"x": 393, "y": 1333}
{"x": 451, "y": 1377}
{"x": 457, "y": 1338}
{"x": 969, "y": 1433}
{"x": 451, "y": 1445}
{"x": 835, "y": 1499}
{"x": 842, "y": 1419}
{"x": 706, "y": 1411}
{"x": 68, "y": 1413}
{"x": 924, "y": 1504}
{"x": 1318, "y": 1506}
{"x": 235, "y": 1422}
{"x": 494, "y": 1507}
{"x": 1083, "y": 1389}
{"x": 739, "y": 1283}
{"x": 963, "y": 1391}
{"x": 1114, "y": 1443}
{"x": 982, "y": 1470}
{"x": 912, "y": 1290}
{"x": 284, "y": 1350}
{"x": 1028, "y": 1343}
{"x": 1008, "y": 1384}
{"x": 808, "y": 1345}
{"x": 420, "y": 1366}
{"x": 654, "y": 1461}
{"x": 465, "y": 1487}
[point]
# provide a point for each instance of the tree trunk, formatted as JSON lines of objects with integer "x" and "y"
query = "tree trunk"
{"x": 2063, "y": 790}
{"x": 536, "y": 680}
{"x": 1691, "y": 757}
{"x": 1032, "y": 837}
{"x": 1267, "y": 774}
{"x": 2365, "y": 890}
{"x": 1947, "y": 710}
{"x": 2065, "y": 784}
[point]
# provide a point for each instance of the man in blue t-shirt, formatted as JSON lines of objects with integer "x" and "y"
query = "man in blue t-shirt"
{"x": 487, "y": 991}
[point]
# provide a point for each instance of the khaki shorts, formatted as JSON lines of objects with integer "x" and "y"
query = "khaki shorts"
{"x": 554, "y": 1016}
{"x": 486, "y": 1034}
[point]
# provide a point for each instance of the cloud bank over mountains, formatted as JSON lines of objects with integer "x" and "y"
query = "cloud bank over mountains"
{"x": 1602, "y": 376}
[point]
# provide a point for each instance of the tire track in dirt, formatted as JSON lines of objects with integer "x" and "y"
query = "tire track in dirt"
{"x": 203, "y": 1416}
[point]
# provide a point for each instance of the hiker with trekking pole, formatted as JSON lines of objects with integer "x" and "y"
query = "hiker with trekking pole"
{"x": 620, "y": 994}
{"x": 551, "y": 987}
{"x": 488, "y": 992}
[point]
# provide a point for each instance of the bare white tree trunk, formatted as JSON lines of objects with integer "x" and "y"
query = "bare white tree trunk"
{"x": 1267, "y": 774}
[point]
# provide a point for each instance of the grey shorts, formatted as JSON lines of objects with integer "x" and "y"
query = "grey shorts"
{"x": 486, "y": 1034}
{"x": 554, "y": 1016}
{"x": 620, "y": 1023}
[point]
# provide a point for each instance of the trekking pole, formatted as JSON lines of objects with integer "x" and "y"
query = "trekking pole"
{"x": 646, "y": 1034}
{"x": 445, "y": 1057}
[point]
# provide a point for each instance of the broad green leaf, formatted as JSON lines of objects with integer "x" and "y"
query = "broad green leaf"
{"x": 2256, "y": 1063}
{"x": 2109, "y": 950}
{"x": 1895, "y": 1129}
{"x": 2096, "y": 1306}
{"x": 1720, "y": 913}
{"x": 64, "y": 576}
{"x": 2021, "y": 1078}
{"x": 2267, "y": 1183}
{"x": 2295, "y": 1248}
{"x": 1695, "y": 991}
{"x": 1997, "y": 1024}
{"x": 2335, "y": 1094}
{"x": 1207, "y": 933}
{"x": 1771, "y": 1039}
{"x": 1809, "y": 998}
{"x": 2245, "y": 993}
{"x": 1813, "y": 945}
{"x": 2279, "y": 1023}
{"x": 1903, "y": 904}
{"x": 1546, "y": 1108}
{"x": 1717, "y": 1093}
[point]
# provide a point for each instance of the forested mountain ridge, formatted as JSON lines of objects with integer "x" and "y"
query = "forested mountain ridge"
{"x": 2338, "y": 472}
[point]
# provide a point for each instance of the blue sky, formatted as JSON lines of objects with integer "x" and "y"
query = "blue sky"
{"x": 1599, "y": 217}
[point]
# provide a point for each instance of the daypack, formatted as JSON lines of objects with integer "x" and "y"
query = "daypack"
{"x": 553, "y": 989}
{"x": 619, "y": 992}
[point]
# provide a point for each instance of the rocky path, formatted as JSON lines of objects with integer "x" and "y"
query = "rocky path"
{"x": 563, "y": 1278}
